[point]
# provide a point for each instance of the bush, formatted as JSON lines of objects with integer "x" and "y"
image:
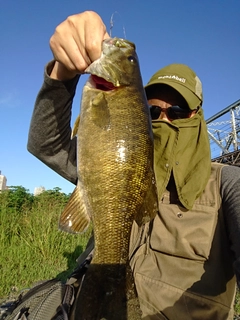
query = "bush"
{"x": 32, "y": 247}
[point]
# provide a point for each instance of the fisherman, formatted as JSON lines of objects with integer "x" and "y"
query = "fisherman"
{"x": 186, "y": 261}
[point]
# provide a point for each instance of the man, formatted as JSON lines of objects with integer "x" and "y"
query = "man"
{"x": 185, "y": 260}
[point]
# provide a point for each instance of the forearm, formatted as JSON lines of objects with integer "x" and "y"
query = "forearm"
{"x": 231, "y": 207}
{"x": 50, "y": 131}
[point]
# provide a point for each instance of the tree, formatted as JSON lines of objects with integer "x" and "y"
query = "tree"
{"x": 16, "y": 197}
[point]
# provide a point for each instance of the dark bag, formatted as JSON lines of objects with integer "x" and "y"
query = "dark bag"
{"x": 45, "y": 301}
{"x": 50, "y": 300}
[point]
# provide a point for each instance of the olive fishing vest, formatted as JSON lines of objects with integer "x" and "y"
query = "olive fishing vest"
{"x": 182, "y": 262}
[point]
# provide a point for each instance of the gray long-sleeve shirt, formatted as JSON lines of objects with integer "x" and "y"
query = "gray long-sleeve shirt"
{"x": 49, "y": 140}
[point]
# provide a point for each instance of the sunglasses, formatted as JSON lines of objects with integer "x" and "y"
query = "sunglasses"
{"x": 172, "y": 113}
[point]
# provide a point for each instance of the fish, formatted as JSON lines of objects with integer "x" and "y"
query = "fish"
{"x": 116, "y": 184}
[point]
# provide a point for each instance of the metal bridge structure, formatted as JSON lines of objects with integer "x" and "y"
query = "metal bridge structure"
{"x": 224, "y": 135}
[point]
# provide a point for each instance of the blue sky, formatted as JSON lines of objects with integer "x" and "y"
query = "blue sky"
{"x": 201, "y": 33}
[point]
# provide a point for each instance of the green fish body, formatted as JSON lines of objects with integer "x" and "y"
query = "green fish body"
{"x": 116, "y": 183}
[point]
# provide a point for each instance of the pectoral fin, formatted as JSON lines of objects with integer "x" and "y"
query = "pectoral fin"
{"x": 75, "y": 127}
{"x": 100, "y": 111}
{"x": 75, "y": 217}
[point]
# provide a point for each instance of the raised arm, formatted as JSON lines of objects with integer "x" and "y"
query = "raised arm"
{"x": 230, "y": 191}
{"x": 75, "y": 44}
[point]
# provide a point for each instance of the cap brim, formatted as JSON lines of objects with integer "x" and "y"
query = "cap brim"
{"x": 192, "y": 100}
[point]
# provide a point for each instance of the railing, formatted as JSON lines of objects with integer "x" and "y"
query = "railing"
{"x": 224, "y": 134}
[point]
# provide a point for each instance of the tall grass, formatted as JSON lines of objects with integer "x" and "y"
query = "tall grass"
{"x": 31, "y": 246}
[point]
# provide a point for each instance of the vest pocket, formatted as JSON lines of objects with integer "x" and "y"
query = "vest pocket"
{"x": 183, "y": 233}
{"x": 168, "y": 302}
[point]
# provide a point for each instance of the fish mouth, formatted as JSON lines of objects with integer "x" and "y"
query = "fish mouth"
{"x": 101, "y": 84}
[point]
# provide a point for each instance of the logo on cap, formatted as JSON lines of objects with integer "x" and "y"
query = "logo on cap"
{"x": 183, "y": 80}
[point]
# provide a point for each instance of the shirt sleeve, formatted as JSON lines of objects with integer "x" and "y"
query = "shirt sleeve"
{"x": 230, "y": 191}
{"x": 49, "y": 137}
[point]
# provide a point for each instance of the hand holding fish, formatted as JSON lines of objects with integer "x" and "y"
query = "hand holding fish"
{"x": 76, "y": 43}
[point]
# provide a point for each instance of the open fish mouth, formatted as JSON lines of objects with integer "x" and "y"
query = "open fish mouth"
{"x": 101, "y": 83}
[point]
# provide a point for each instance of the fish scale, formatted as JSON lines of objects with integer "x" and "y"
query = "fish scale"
{"x": 115, "y": 180}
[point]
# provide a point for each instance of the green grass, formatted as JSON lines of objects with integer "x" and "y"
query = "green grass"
{"x": 32, "y": 248}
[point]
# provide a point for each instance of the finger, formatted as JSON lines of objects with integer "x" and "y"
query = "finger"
{"x": 66, "y": 51}
{"x": 94, "y": 46}
{"x": 93, "y": 43}
{"x": 94, "y": 32}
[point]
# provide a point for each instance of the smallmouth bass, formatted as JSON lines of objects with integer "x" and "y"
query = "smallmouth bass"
{"x": 116, "y": 182}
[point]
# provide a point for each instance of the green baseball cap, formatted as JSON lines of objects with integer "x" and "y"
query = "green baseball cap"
{"x": 183, "y": 79}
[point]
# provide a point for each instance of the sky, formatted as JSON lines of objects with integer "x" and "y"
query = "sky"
{"x": 200, "y": 33}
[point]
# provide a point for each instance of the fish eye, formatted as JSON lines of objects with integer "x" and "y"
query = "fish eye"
{"x": 132, "y": 59}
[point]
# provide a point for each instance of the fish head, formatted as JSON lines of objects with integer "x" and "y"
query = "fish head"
{"x": 117, "y": 66}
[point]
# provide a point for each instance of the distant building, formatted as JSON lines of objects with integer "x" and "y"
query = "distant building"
{"x": 3, "y": 182}
{"x": 38, "y": 190}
